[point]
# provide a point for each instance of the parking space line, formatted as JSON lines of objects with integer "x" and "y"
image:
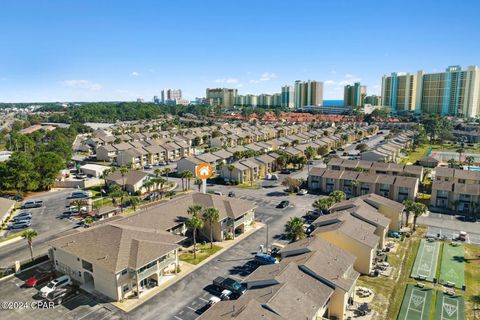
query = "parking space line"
{"x": 87, "y": 314}
{"x": 177, "y": 318}
{"x": 204, "y": 300}
{"x": 191, "y": 308}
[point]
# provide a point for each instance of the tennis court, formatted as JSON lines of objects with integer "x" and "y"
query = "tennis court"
{"x": 453, "y": 265}
{"x": 449, "y": 308}
{"x": 425, "y": 266}
{"x": 416, "y": 304}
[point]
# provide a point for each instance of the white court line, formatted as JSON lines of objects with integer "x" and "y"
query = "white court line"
{"x": 204, "y": 300}
{"x": 443, "y": 302}
{"x": 410, "y": 301}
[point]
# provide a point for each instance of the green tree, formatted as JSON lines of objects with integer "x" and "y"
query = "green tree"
{"x": 418, "y": 210}
{"x": 310, "y": 153}
{"x": 291, "y": 183}
{"x": 409, "y": 207}
{"x": 211, "y": 216}
{"x": 29, "y": 235}
{"x": 338, "y": 196}
{"x": 88, "y": 220}
{"x": 362, "y": 147}
{"x": 166, "y": 171}
{"x": 47, "y": 165}
{"x": 322, "y": 150}
{"x": 123, "y": 172}
{"x": 134, "y": 201}
{"x": 148, "y": 185}
{"x": 323, "y": 204}
{"x": 294, "y": 229}
{"x": 469, "y": 160}
{"x": 193, "y": 224}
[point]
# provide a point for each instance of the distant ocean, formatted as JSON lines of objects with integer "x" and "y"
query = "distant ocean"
{"x": 333, "y": 103}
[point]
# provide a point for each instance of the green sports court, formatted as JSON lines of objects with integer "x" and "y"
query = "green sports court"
{"x": 453, "y": 265}
{"x": 416, "y": 304}
{"x": 449, "y": 308}
{"x": 425, "y": 265}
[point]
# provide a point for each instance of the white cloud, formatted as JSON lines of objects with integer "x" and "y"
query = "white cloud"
{"x": 348, "y": 75}
{"x": 134, "y": 74}
{"x": 333, "y": 72}
{"x": 82, "y": 84}
{"x": 266, "y": 76}
{"x": 239, "y": 85}
{"x": 227, "y": 80}
{"x": 254, "y": 81}
{"x": 349, "y": 81}
{"x": 329, "y": 82}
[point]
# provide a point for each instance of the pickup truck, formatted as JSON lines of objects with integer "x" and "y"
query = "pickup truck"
{"x": 228, "y": 283}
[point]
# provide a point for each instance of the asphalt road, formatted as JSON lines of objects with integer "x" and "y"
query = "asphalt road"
{"x": 46, "y": 221}
{"x": 450, "y": 225}
{"x": 371, "y": 142}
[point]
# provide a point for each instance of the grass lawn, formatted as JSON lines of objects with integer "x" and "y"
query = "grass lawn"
{"x": 10, "y": 237}
{"x": 203, "y": 252}
{"x": 472, "y": 274}
{"x": 453, "y": 265}
{"x": 415, "y": 155}
{"x": 103, "y": 202}
{"x": 248, "y": 186}
{"x": 389, "y": 291}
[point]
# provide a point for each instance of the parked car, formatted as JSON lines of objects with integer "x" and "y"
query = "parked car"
{"x": 81, "y": 176}
{"x": 231, "y": 194}
{"x": 213, "y": 300}
{"x": 302, "y": 192}
{"x": 218, "y": 193}
{"x": 230, "y": 284}
{"x": 39, "y": 279}
{"x": 53, "y": 285}
{"x": 394, "y": 234}
{"x": 274, "y": 176}
{"x": 263, "y": 259}
{"x": 285, "y": 171}
{"x": 76, "y": 209}
{"x": 462, "y": 236}
{"x": 79, "y": 195}
{"x": 20, "y": 224}
{"x": 25, "y": 214}
{"x": 32, "y": 204}
{"x": 147, "y": 167}
{"x": 22, "y": 218}
{"x": 283, "y": 204}
{"x": 62, "y": 294}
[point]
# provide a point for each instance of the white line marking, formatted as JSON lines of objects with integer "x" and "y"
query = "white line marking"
{"x": 87, "y": 314}
{"x": 177, "y": 318}
{"x": 204, "y": 300}
{"x": 191, "y": 308}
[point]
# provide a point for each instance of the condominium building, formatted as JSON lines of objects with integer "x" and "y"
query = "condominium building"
{"x": 171, "y": 95}
{"x": 399, "y": 92}
{"x": 308, "y": 93}
{"x": 353, "y": 95}
{"x": 287, "y": 97}
{"x": 221, "y": 97}
{"x": 452, "y": 92}
{"x": 372, "y": 100}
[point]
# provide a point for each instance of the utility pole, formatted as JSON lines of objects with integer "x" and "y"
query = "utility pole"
{"x": 266, "y": 240}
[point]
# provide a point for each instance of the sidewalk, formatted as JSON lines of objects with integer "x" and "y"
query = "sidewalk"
{"x": 128, "y": 305}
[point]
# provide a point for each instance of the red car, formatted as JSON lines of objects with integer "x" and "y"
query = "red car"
{"x": 39, "y": 279}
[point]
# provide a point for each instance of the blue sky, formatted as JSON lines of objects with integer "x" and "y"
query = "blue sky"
{"x": 92, "y": 50}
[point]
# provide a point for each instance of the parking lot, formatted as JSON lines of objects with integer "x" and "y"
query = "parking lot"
{"x": 81, "y": 306}
{"x": 47, "y": 221}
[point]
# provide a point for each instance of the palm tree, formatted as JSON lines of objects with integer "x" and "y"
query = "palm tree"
{"x": 338, "y": 195}
{"x": 469, "y": 160}
{"x": 157, "y": 172}
{"x": 409, "y": 207}
{"x": 323, "y": 204}
{"x": 188, "y": 176}
{"x": 183, "y": 175}
{"x": 105, "y": 174}
{"x": 166, "y": 171}
{"x": 134, "y": 201}
{"x": 148, "y": 184}
{"x": 418, "y": 210}
{"x": 193, "y": 224}
{"x": 123, "y": 173}
{"x": 211, "y": 215}
{"x": 460, "y": 151}
{"x": 29, "y": 235}
{"x": 194, "y": 210}
{"x": 294, "y": 229}
{"x": 455, "y": 204}
{"x": 198, "y": 182}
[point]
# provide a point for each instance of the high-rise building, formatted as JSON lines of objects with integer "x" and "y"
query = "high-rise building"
{"x": 251, "y": 100}
{"x": 373, "y": 100}
{"x": 288, "y": 97}
{"x": 240, "y": 100}
{"x": 171, "y": 94}
{"x": 399, "y": 92}
{"x": 265, "y": 100}
{"x": 308, "y": 93}
{"x": 156, "y": 99}
{"x": 276, "y": 100}
{"x": 353, "y": 95}
{"x": 221, "y": 97}
{"x": 453, "y": 92}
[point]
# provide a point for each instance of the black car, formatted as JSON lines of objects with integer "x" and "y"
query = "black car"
{"x": 231, "y": 194}
{"x": 236, "y": 287}
{"x": 283, "y": 204}
{"x": 285, "y": 171}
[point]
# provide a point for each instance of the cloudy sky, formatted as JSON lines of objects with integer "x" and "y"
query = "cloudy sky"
{"x": 122, "y": 50}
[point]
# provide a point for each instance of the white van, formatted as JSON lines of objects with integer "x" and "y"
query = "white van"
{"x": 60, "y": 282}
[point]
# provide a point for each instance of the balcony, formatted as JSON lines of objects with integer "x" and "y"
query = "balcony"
{"x": 147, "y": 272}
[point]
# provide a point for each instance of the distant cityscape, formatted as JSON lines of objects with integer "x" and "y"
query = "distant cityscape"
{"x": 452, "y": 92}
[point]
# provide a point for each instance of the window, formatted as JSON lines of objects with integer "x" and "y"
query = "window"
{"x": 461, "y": 180}
{"x": 124, "y": 272}
{"x": 80, "y": 274}
{"x": 125, "y": 288}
